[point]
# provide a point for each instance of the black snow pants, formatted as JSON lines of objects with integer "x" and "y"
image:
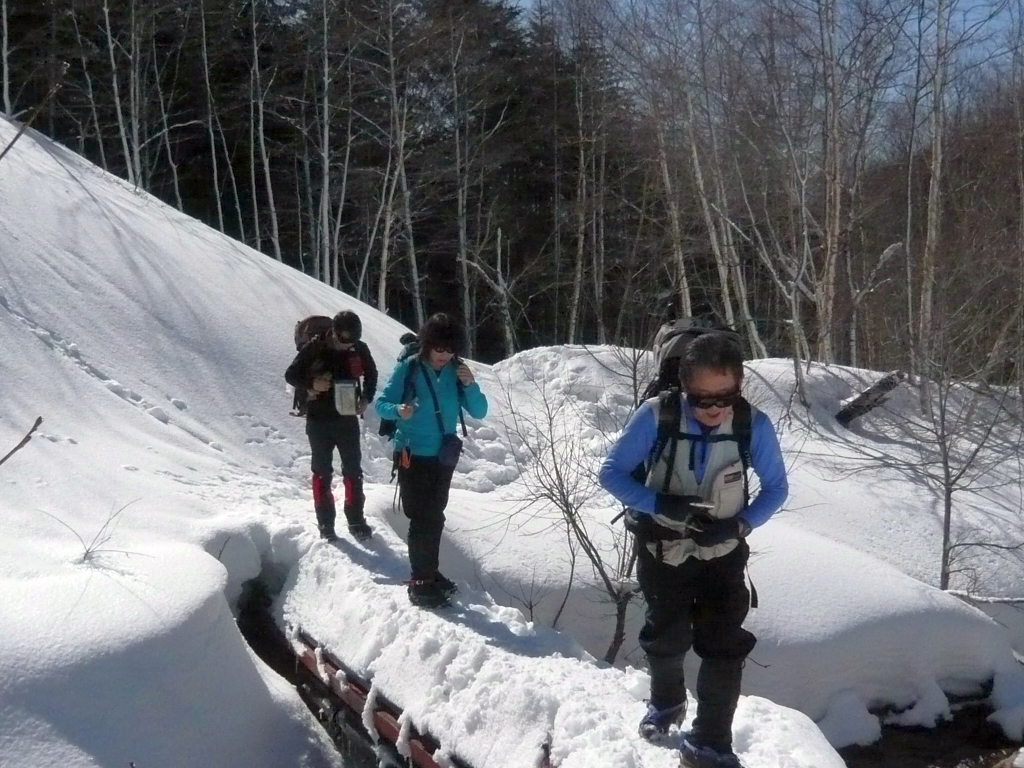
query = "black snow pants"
{"x": 700, "y": 603}
{"x": 324, "y": 436}
{"x": 424, "y": 486}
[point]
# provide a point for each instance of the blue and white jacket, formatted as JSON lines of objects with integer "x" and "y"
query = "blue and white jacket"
{"x": 637, "y": 440}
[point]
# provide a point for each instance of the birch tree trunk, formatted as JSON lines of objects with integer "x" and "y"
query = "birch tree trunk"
{"x": 581, "y": 217}
{"x": 931, "y": 245}
{"x": 344, "y": 180}
{"x": 912, "y": 331}
{"x": 325, "y": 161}
{"x": 135, "y": 99}
{"x": 461, "y": 188}
{"x": 122, "y": 128}
{"x": 675, "y": 224}
{"x": 166, "y": 127}
{"x": 275, "y": 237}
{"x": 5, "y": 54}
{"x": 385, "y": 245}
{"x": 399, "y": 129}
{"x": 232, "y": 179}
{"x": 209, "y": 116}
{"x": 826, "y": 285}
{"x": 93, "y": 111}
{"x": 258, "y": 232}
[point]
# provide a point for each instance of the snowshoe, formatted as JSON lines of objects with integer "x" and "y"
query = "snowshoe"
{"x": 360, "y": 531}
{"x": 693, "y": 755}
{"x": 424, "y": 593}
{"x": 655, "y": 724}
{"x": 327, "y": 533}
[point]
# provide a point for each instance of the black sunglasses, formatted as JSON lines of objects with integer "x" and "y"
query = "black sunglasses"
{"x": 713, "y": 401}
{"x": 444, "y": 350}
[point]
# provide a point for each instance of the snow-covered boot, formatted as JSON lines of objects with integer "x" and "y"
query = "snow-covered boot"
{"x": 695, "y": 755}
{"x": 426, "y": 593}
{"x": 360, "y": 531}
{"x": 655, "y": 724}
{"x": 446, "y": 585}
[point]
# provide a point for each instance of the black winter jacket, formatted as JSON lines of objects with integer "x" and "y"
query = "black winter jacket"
{"x": 318, "y": 357}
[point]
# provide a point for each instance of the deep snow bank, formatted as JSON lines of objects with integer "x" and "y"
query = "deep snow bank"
{"x": 136, "y": 657}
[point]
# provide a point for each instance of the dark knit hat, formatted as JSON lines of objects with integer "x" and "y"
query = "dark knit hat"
{"x": 347, "y": 326}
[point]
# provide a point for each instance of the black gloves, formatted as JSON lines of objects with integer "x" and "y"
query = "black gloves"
{"x": 710, "y": 531}
{"x": 678, "y": 508}
{"x": 692, "y": 512}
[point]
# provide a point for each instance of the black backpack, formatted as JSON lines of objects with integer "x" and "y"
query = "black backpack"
{"x": 670, "y": 343}
{"x": 307, "y": 329}
{"x": 411, "y": 349}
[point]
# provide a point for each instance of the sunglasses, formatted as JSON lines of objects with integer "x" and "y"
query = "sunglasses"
{"x": 444, "y": 350}
{"x": 726, "y": 400}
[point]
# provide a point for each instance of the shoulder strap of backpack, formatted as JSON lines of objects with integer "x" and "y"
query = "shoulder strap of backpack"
{"x": 437, "y": 404}
{"x": 410, "y": 373}
{"x": 743, "y": 428}
{"x": 669, "y": 414}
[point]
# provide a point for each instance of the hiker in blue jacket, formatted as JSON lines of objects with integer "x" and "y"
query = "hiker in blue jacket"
{"x": 680, "y": 466}
{"x": 425, "y": 396}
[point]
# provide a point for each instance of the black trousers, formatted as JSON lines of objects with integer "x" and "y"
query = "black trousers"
{"x": 326, "y": 435}
{"x": 424, "y": 486}
{"x": 699, "y": 604}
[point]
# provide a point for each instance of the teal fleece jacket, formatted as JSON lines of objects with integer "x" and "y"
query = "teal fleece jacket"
{"x": 420, "y": 432}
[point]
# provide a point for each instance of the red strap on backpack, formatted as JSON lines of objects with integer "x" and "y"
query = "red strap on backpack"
{"x": 355, "y": 365}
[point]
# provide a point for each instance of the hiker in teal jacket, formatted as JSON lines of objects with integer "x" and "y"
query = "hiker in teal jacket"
{"x": 424, "y": 396}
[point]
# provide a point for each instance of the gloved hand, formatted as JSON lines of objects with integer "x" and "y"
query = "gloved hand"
{"x": 678, "y": 508}
{"x": 646, "y": 528}
{"x": 711, "y": 531}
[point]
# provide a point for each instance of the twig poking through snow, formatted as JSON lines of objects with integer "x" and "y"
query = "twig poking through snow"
{"x": 24, "y": 440}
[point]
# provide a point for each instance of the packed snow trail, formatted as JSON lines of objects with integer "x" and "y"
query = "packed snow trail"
{"x": 492, "y": 687}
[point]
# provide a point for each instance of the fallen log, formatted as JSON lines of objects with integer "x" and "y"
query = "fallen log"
{"x": 870, "y": 398}
{"x": 351, "y": 691}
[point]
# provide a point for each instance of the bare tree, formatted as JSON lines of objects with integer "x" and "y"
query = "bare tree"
{"x": 5, "y": 59}
{"x": 559, "y": 482}
{"x": 260, "y": 94}
{"x": 115, "y": 83}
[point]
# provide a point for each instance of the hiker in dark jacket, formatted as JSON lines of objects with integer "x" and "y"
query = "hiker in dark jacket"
{"x": 336, "y": 369}
{"x": 425, "y": 396}
{"x": 692, "y": 514}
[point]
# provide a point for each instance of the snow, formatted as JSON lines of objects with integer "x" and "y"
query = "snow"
{"x": 154, "y": 349}
{"x": 494, "y": 686}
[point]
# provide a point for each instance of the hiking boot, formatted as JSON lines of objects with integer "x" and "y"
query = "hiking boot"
{"x": 327, "y": 533}
{"x": 425, "y": 593}
{"x": 446, "y": 585}
{"x": 696, "y": 755}
{"x": 360, "y": 531}
{"x": 655, "y": 724}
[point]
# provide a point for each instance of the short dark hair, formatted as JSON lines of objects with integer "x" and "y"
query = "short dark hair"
{"x": 347, "y": 325}
{"x": 715, "y": 351}
{"x": 442, "y": 331}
